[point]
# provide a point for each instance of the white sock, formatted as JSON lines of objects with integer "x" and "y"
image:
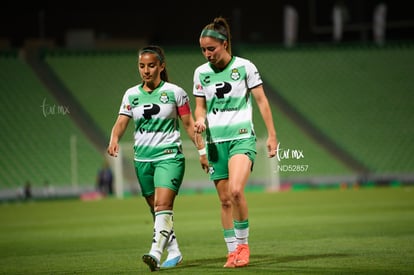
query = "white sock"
{"x": 230, "y": 239}
{"x": 241, "y": 230}
{"x": 162, "y": 230}
{"x": 172, "y": 246}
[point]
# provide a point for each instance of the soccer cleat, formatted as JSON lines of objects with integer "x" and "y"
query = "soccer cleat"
{"x": 151, "y": 261}
{"x": 242, "y": 255}
{"x": 230, "y": 259}
{"x": 172, "y": 262}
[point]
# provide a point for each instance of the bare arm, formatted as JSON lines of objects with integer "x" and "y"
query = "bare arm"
{"x": 200, "y": 114}
{"x": 266, "y": 113}
{"x": 118, "y": 131}
{"x": 188, "y": 123}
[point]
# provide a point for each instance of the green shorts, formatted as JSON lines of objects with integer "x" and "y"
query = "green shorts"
{"x": 167, "y": 173}
{"x": 219, "y": 154}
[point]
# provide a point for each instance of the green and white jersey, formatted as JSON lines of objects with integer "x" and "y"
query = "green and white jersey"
{"x": 228, "y": 98}
{"x": 155, "y": 115}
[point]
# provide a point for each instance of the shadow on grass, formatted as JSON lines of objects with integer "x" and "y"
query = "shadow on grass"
{"x": 258, "y": 263}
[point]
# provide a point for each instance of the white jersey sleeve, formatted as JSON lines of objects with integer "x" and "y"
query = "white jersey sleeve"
{"x": 228, "y": 98}
{"x": 125, "y": 108}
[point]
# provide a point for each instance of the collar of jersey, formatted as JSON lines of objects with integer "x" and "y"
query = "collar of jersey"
{"x": 217, "y": 70}
{"x": 153, "y": 91}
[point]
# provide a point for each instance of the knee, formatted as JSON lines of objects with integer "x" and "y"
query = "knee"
{"x": 236, "y": 195}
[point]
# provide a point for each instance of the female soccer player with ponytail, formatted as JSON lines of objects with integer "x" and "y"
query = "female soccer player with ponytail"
{"x": 223, "y": 88}
{"x": 156, "y": 106}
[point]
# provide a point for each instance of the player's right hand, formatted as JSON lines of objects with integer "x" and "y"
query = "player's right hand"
{"x": 113, "y": 150}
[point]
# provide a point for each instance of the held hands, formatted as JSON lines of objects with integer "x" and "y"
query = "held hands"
{"x": 199, "y": 126}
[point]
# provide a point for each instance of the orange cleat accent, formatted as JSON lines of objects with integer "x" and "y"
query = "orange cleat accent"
{"x": 242, "y": 255}
{"x": 231, "y": 257}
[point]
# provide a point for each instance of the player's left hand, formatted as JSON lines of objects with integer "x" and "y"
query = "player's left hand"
{"x": 204, "y": 163}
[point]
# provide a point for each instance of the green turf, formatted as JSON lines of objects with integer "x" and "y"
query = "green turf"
{"x": 351, "y": 231}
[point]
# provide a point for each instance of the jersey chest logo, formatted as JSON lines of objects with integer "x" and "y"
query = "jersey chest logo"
{"x": 150, "y": 110}
{"x": 222, "y": 88}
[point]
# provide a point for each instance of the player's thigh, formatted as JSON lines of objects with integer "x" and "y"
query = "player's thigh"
{"x": 169, "y": 173}
{"x": 145, "y": 175}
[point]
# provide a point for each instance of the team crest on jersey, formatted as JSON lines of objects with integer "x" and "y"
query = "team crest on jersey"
{"x": 164, "y": 98}
{"x": 235, "y": 75}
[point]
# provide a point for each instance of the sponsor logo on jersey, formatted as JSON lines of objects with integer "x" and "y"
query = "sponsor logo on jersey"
{"x": 151, "y": 110}
{"x": 168, "y": 151}
{"x": 135, "y": 101}
{"x": 222, "y": 88}
{"x": 206, "y": 79}
{"x": 243, "y": 131}
{"x": 232, "y": 109}
{"x": 199, "y": 87}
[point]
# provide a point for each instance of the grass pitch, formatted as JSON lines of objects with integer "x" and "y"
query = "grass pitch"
{"x": 363, "y": 231}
